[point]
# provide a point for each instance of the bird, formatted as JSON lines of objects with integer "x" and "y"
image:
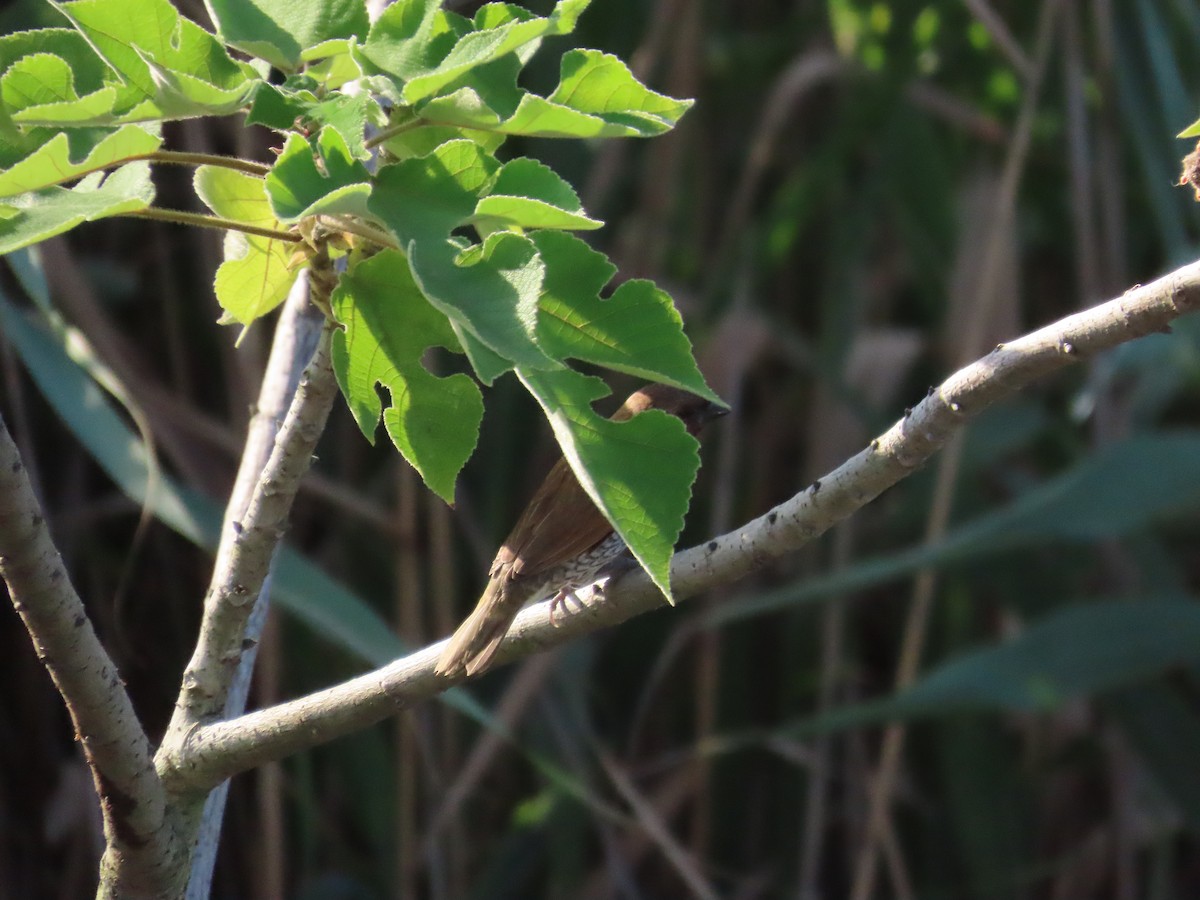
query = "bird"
{"x": 560, "y": 543}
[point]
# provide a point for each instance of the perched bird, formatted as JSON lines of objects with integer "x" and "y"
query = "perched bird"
{"x": 560, "y": 543}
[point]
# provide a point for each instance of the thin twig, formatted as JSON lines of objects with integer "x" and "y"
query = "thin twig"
{"x": 208, "y": 754}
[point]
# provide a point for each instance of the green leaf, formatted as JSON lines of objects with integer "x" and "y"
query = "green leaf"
{"x": 638, "y": 473}
{"x": 34, "y": 217}
{"x": 349, "y": 115}
{"x": 280, "y": 30}
{"x": 528, "y": 194}
{"x": 424, "y": 140}
{"x": 388, "y": 326}
{"x": 637, "y": 330}
{"x": 283, "y": 108}
{"x": 597, "y": 96}
{"x": 411, "y": 37}
{"x": 40, "y": 89}
{"x": 279, "y": 106}
{"x": 89, "y": 70}
{"x": 174, "y": 67}
{"x": 234, "y": 195}
{"x": 297, "y": 188}
{"x": 491, "y": 290}
{"x": 1192, "y": 130}
{"x": 500, "y": 30}
{"x": 255, "y": 277}
{"x": 52, "y": 163}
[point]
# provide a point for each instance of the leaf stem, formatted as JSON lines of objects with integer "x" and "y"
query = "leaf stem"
{"x": 180, "y": 158}
{"x": 187, "y": 218}
{"x": 362, "y": 229}
{"x": 391, "y": 131}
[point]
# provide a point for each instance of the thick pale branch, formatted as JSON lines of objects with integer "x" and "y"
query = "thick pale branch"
{"x": 214, "y": 752}
{"x": 248, "y": 541}
{"x": 141, "y": 843}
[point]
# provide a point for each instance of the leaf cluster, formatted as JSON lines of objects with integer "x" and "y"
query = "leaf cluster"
{"x": 389, "y": 136}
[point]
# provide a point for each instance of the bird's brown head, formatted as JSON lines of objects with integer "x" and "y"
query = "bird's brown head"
{"x": 695, "y": 412}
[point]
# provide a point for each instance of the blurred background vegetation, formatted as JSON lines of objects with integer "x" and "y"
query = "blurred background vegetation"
{"x": 866, "y": 196}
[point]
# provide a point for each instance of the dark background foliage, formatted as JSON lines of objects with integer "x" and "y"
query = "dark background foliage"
{"x": 829, "y": 218}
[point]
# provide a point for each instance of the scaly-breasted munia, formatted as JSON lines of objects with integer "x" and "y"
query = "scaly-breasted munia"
{"x": 561, "y": 542}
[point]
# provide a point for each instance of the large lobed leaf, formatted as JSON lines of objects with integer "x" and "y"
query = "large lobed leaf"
{"x": 493, "y": 293}
{"x": 597, "y": 97}
{"x": 57, "y": 160}
{"x": 387, "y": 327}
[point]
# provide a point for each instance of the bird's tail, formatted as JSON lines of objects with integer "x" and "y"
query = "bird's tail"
{"x": 478, "y": 638}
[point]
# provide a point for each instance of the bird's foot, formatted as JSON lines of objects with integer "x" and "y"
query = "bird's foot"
{"x": 558, "y": 605}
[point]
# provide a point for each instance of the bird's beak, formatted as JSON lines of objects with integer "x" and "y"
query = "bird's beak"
{"x": 712, "y": 411}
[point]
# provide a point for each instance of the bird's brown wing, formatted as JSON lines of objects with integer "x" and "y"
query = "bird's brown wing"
{"x": 560, "y": 523}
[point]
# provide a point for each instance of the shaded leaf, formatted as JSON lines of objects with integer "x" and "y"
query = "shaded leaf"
{"x": 490, "y": 291}
{"x": 1069, "y": 654}
{"x": 1120, "y": 490}
{"x": 297, "y": 188}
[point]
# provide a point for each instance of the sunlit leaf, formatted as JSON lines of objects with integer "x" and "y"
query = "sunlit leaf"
{"x": 638, "y": 473}
{"x": 388, "y": 325}
{"x": 34, "y": 217}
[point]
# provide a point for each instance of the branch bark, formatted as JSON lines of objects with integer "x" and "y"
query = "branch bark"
{"x": 143, "y": 853}
{"x": 209, "y": 753}
{"x": 296, "y": 338}
{"x": 249, "y": 538}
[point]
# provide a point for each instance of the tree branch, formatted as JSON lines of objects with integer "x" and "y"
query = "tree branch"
{"x": 249, "y": 538}
{"x": 142, "y": 853}
{"x": 297, "y": 334}
{"x": 210, "y": 753}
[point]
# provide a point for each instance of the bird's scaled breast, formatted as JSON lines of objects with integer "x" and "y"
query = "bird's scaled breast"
{"x": 585, "y": 568}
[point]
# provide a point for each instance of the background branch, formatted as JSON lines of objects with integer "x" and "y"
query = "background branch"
{"x": 210, "y": 753}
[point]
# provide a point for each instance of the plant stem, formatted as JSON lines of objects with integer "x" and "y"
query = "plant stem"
{"x": 179, "y": 158}
{"x": 362, "y": 229}
{"x": 186, "y": 218}
{"x": 391, "y": 131}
